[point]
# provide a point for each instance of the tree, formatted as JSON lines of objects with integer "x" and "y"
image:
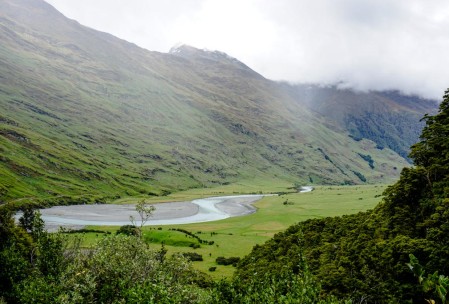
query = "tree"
{"x": 432, "y": 152}
{"x": 27, "y": 219}
{"x": 145, "y": 211}
{"x": 16, "y": 247}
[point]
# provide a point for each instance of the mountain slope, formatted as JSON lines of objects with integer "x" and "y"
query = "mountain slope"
{"x": 86, "y": 116}
{"x": 390, "y": 119}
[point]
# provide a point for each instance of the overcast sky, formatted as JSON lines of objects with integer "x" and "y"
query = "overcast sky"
{"x": 362, "y": 44}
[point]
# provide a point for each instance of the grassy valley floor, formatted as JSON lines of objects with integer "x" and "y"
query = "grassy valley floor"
{"x": 235, "y": 237}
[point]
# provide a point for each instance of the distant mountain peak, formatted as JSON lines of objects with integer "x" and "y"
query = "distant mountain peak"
{"x": 178, "y": 48}
{"x": 187, "y": 51}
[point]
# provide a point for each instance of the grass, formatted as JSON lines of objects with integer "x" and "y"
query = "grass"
{"x": 137, "y": 123}
{"x": 236, "y": 236}
{"x": 169, "y": 238}
{"x": 249, "y": 186}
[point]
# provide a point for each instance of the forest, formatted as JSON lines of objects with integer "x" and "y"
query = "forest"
{"x": 378, "y": 256}
{"x": 396, "y": 253}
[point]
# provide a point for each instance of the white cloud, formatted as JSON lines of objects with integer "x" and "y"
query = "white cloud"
{"x": 365, "y": 44}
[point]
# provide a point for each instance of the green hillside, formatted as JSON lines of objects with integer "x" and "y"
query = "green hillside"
{"x": 89, "y": 117}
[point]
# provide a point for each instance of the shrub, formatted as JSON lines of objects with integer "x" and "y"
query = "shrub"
{"x": 227, "y": 261}
{"x": 192, "y": 256}
{"x": 128, "y": 230}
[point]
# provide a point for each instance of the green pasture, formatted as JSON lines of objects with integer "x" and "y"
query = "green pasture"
{"x": 236, "y": 236}
{"x": 261, "y": 185}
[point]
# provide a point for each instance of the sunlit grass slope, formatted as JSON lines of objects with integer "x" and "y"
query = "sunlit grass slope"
{"x": 86, "y": 117}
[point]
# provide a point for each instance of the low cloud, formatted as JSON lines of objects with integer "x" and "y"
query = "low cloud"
{"x": 361, "y": 44}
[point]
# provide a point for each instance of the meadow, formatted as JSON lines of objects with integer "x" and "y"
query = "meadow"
{"x": 235, "y": 237}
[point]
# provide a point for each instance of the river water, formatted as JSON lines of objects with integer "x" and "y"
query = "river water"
{"x": 196, "y": 211}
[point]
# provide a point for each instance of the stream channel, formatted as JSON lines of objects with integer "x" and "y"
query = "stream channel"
{"x": 196, "y": 211}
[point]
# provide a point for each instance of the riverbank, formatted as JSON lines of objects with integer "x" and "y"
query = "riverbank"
{"x": 171, "y": 213}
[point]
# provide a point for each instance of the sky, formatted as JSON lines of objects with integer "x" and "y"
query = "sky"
{"x": 360, "y": 44}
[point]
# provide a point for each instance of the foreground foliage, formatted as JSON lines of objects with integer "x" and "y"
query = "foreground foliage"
{"x": 39, "y": 267}
{"x": 438, "y": 284}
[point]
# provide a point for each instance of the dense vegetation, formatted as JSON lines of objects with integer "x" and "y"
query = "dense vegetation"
{"x": 39, "y": 267}
{"x": 364, "y": 256}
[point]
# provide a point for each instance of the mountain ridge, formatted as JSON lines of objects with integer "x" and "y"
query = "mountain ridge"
{"x": 87, "y": 116}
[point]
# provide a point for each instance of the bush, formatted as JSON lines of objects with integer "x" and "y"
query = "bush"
{"x": 192, "y": 256}
{"x": 128, "y": 230}
{"x": 227, "y": 261}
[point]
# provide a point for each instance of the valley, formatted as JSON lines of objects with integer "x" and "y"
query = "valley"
{"x": 236, "y": 236}
{"x": 265, "y": 191}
